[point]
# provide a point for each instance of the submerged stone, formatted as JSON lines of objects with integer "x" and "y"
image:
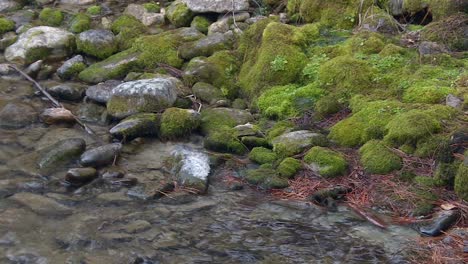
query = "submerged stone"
{"x": 443, "y": 221}
{"x": 60, "y": 154}
{"x": 17, "y": 115}
{"x": 138, "y": 125}
{"x": 191, "y": 168}
{"x": 41, "y": 205}
{"x": 101, "y": 156}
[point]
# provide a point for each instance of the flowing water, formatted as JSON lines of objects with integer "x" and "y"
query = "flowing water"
{"x": 111, "y": 223}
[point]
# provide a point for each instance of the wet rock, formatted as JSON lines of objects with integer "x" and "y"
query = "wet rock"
{"x": 17, "y": 115}
{"x": 150, "y": 95}
{"x": 70, "y": 92}
{"x": 102, "y": 92}
{"x": 216, "y": 6}
{"x": 137, "y": 226}
{"x": 191, "y": 168}
{"x": 9, "y": 239}
{"x": 100, "y": 156}
{"x": 61, "y": 153}
{"x": 7, "y": 39}
{"x": 335, "y": 193}
{"x": 34, "y": 68}
{"x": 99, "y": 43}
{"x": 57, "y": 115}
{"x": 124, "y": 182}
{"x": 178, "y": 198}
{"x": 147, "y": 18}
{"x": 71, "y": 68}
{"x": 80, "y": 176}
{"x": 9, "y": 5}
{"x": 240, "y": 116}
{"x": 207, "y": 92}
{"x": 166, "y": 188}
{"x": 246, "y": 130}
{"x": 114, "y": 67}
{"x": 93, "y": 113}
{"x": 55, "y": 134}
{"x": 295, "y": 142}
{"x": 453, "y": 101}
{"x": 41, "y": 43}
{"x": 113, "y": 173}
{"x": 117, "y": 237}
{"x": 138, "y": 125}
{"x": 441, "y": 222}
{"x": 205, "y": 46}
{"x": 114, "y": 197}
{"x": 41, "y": 205}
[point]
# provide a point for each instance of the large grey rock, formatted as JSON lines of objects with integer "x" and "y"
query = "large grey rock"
{"x": 149, "y": 95}
{"x": 7, "y": 39}
{"x": 17, "y": 115}
{"x": 297, "y": 141}
{"x": 216, "y": 6}
{"x": 71, "y": 67}
{"x": 191, "y": 168}
{"x": 139, "y": 125}
{"x": 205, "y": 46}
{"x": 207, "y": 92}
{"x": 60, "y": 154}
{"x": 453, "y": 101}
{"x": 47, "y": 43}
{"x": 9, "y": 5}
{"x": 147, "y": 18}
{"x": 102, "y": 92}
{"x": 41, "y": 205}
{"x": 100, "y": 156}
{"x": 99, "y": 43}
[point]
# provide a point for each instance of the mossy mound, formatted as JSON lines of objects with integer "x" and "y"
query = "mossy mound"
{"x": 272, "y": 56}
{"x": 377, "y": 158}
{"x": 127, "y": 28}
{"x": 224, "y": 139}
{"x": 6, "y": 25}
{"x": 295, "y": 142}
{"x": 179, "y": 14}
{"x": 327, "y": 105}
{"x": 201, "y": 24}
{"x": 365, "y": 42}
{"x": 326, "y": 162}
{"x": 289, "y": 167}
{"x": 177, "y": 122}
{"x": 98, "y": 43}
{"x": 266, "y": 178}
{"x": 51, "y": 17}
{"x": 252, "y": 141}
{"x": 439, "y": 9}
{"x": 288, "y": 101}
{"x": 80, "y": 22}
{"x": 426, "y": 94}
{"x": 262, "y": 155}
{"x": 94, "y": 10}
{"x": 152, "y": 7}
{"x": 461, "y": 180}
{"x": 450, "y": 31}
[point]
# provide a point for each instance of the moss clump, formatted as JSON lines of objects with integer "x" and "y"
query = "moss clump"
{"x": 327, "y": 105}
{"x": 391, "y": 50}
{"x": 152, "y": 7}
{"x": 262, "y": 155}
{"x": 273, "y": 56}
{"x": 449, "y": 31}
{"x": 346, "y": 75}
{"x": 377, "y": 158}
{"x": 461, "y": 180}
{"x": 201, "y": 24}
{"x": 434, "y": 146}
{"x": 94, "y": 10}
{"x": 427, "y": 94}
{"x": 223, "y": 139}
{"x": 79, "y": 23}
{"x": 445, "y": 174}
{"x": 266, "y": 178}
{"x": 51, "y": 17}
{"x": 73, "y": 71}
{"x": 289, "y": 167}
{"x": 127, "y": 28}
{"x": 252, "y": 141}
{"x": 179, "y": 14}
{"x": 288, "y": 101}
{"x": 326, "y": 162}
{"x": 177, "y": 122}
{"x": 365, "y": 42}
{"x": 6, "y": 25}
{"x": 279, "y": 128}
{"x": 100, "y": 50}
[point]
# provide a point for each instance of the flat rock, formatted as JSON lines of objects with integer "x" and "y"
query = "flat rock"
{"x": 17, "y": 115}
{"x": 100, "y": 156}
{"x": 41, "y": 205}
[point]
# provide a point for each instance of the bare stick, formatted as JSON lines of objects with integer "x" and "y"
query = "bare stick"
{"x": 56, "y": 103}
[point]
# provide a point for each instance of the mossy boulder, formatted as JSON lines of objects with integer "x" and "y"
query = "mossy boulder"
{"x": 461, "y": 180}
{"x": 79, "y": 23}
{"x": 152, "y": 7}
{"x": 51, "y": 17}
{"x": 224, "y": 139}
{"x": 177, "y": 122}
{"x": 327, "y": 105}
{"x": 427, "y": 94}
{"x": 266, "y": 178}
{"x": 273, "y": 55}
{"x": 139, "y": 125}
{"x": 179, "y": 14}
{"x": 253, "y": 141}
{"x": 326, "y": 162}
{"x": 71, "y": 68}
{"x": 127, "y": 28}
{"x": 288, "y": 101}
{"x": 450, "y": 31}
{"x": 201, "y": 23}
{"x": 289, "y": 167}
{"x": 207, "y": 92}
{"x": 295, "y": 142}
{"x": 377, "y": 158}
{"x": 99, "y": 43}
{"x": 6, "y": 25}
{"x": 262, "y": 155}
{"x": 439, "y": 9}
{"x": 94, "y": 10}
{"x": 205, "y": 46}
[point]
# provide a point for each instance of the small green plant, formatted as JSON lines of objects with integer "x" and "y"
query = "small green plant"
{"x": 278, "y": 64}
{"x": 94, "y": 10}
{"x": 310, "y": 71}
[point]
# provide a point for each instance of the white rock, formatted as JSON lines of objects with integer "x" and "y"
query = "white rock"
{"x": 216, "y": 6}
{"x": 147, "y": 18}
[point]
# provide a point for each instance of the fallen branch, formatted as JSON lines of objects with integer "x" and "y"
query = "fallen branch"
{"x": 56, "y": 103}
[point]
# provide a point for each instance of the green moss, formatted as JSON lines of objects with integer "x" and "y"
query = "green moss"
{"x": 327, "y": 105}
{"x": 434, "y": 146}
{"x": 426, "y": 94}
{"x": 179, "y": 14}
{"x": 327, "y": 162}
{"x": 73, "y": 71}
{"x": 461, "y": 180}
{"x": 262, "y": 155}
{"x": 99, "y": 50}
{"x": 288, "y": 101}
{"x": 94, "y": 10}
{"x": 176, "y": 123}
{"x": 6, "y": 25}
{"x": 346, "y": 75}
{"x": 279, "y": 128}
{"x": 261, "y": 48}
{"x": 377, "y": 158}
{"x": 258, "y": 176}
{"x": 445, "y": 173}
{"x": 211, "y": 120}
{"x": 224, "y": 139}
{"x": 424, "y": 181}
{"x": 127, "y": 28}
{"x": 365, "y": 42}
{"x": 35, "y": 54}
{"x": 152, "y": 7}
{"x": 275, "y": 182}
{"x": 391, "y": 50}
{"x": 80, "y": 22}
{"x": 201, "y": 24}
{"x": 51, "y": 16}
{"x": 289, "y": 167}
{"x": 448, "y": 31}
{"x": 252, "y": 141}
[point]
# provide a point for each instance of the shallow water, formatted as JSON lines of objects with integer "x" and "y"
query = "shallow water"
{"x": 115, "y": 224}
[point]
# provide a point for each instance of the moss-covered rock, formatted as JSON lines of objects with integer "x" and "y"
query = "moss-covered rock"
{"x": 94, "y": 10}
{"x": 365, "y": 42}
{"x": 326, "y": 162}
{"x": 6, "y": 25}
{"x": 444, "y": 174}
{"x": 224, "y": 139}
{"x": 207, "y": 92}
{"x": 139, "y": 125}
{"x": 289, "y": 167}
{"x": 295, "y": 142}
{"x": 201, "y": 23}
{"x": 288, "y": 101}
{"x": 177, "y": 122}
{"x": 377, "y": 158}
{"x": 279, "y": 128}
{"x": 99, "y": 43}
{"x": 327, "y": 105}
{"x": 262, "y": 155}
{"x": 127, "y": 28}
{"x": 51, "y": 17}
{"x": 179, "y": 14}
{"x": 266, "y": 178}
{"x": 426, "y": 94}
{"x": 450, "y": 31}
{"x": 461, "y": 180}
{"x": 253, "y": 141}
{"x": 391, "y": 50}
{"x": 71, "y": 68}
{"x": 205, "y": 46}
{"x": 79, "y": 23}
{"x": 152, "y": 7}
{"x": 273, "y": 55}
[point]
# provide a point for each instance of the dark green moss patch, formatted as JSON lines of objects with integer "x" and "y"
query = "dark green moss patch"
{"x": 377, "y": 158}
